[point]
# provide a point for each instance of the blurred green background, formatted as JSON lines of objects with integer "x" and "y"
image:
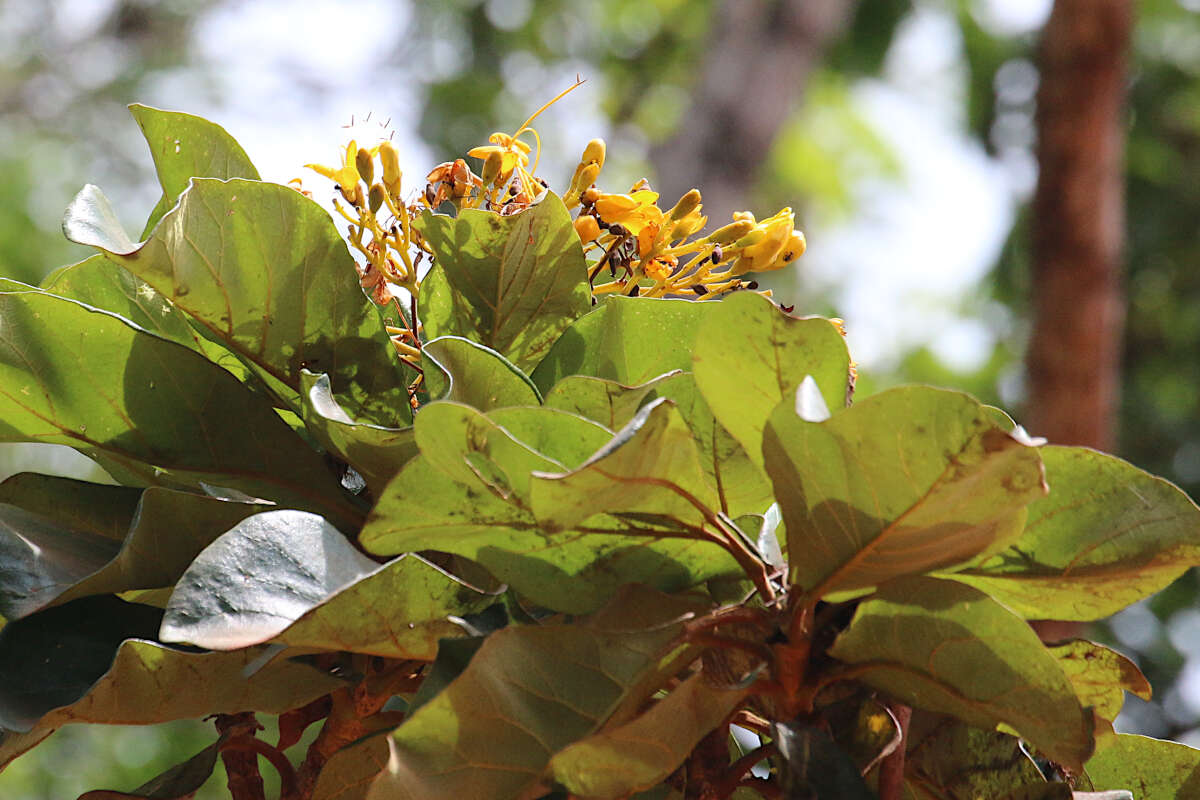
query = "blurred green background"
{"x": 902, "y": 132}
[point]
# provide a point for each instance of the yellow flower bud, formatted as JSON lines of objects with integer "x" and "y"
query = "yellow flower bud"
{"x": 686, "y": 205}
{"x": 594, "y": 153}
{"x": 584, "y": 177}
{"x": 731, "y": 232}
{"x": 375, "y": 198}
{"x": 390, "y": 158}
{"x": 587, "y": 227}
{"x": 365, "y": 165}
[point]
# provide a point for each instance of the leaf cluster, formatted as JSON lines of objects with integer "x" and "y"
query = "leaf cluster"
{"x": 609, "y": 537}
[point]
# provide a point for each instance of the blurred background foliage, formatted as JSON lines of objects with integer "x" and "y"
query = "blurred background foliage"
{"x": 841, "y": 150}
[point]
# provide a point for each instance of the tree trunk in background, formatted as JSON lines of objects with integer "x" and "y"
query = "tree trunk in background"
{"x": 760, "y": 54}
{"x": 1078, "y": 224}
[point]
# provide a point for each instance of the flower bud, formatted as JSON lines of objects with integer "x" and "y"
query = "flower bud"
{"x": 587, "y": 227}
{"x": 365, "y": 165}
{"x": 730, "y": 232}
{"x": 375, "y": 198}
{"x": 390, "y": 158}
{"x": 594, "y": 153}
{"x": 686, "y": 205}
{"x": 491, "y": 167}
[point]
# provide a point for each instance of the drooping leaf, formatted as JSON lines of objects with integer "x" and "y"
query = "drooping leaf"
{"x": 574, "y": 571}
{"x": 947, "y": 758}
{"x": 111, "y": 390}
{"x": 904, "y": 482}
{"x": 742, "y": 486}
{"x": 97, "y": 508}
{"x": 651, "y": 466}
{"x": 510, "y": 283}
{"x": 1107, "y": 535}
{"x": 185, "y": 146}
{"x": 1100, "y": 675}
{"x": 750, "y": 355}
{"x": 643, "y": 752}
{"x": 264, "y": 270}
{"x": 815, "y": 767}
{"x": 945, "y": 647}
{"x": 610, "y": 403}
{"x": 136, "y": 683}
{"x": 376, "y": 452}
{"x": 259, "y": 577}
{"x": 477, "y": 376}
{"x": 529, "y": 692}
{"x": 1152, "y": 769}
{"x": 630, "y": 340}
{"x": 180, "y": 782}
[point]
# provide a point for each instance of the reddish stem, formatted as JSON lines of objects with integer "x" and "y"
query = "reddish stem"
{"x": 891, "y": 770}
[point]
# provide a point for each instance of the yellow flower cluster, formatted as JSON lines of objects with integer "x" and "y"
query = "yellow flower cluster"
{"x": 647, "y": 251}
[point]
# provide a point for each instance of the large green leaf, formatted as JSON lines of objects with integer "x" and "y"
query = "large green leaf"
{"x": 630, "y": 340}
{"x": 82, "y": 662}
{"x": 651, "y": 466}
{"x": 349, "y": 773}
{"x": 99, "y": 281}
{"x": 477, "y": 375}
{"x": 576, "y": 571}
{"x": 180, "y": 782}
{"x": 183, "y": 147}
{"x": 742, "y": 486}
{"x": 263, "y": 269}
{"x": 112, "y": 390}
{"x": 610, "y": 403}
{"x": 46, "y": 562}
{"x": 257, "y": 578}
{"x": 376, "y": 452}
{"x": 904, "y": 482}
{"x": 510, "y": 283}
{"x": 750, "y": 355}
{"x": 95, "y": 508}
{"x": 641, "y": 753}
{"x": 529, "y": 692}
{"x": 945, "y": 647}
{"x": 1100, "y": 675}
{"x": 1151, "y": 769}
{"x": 1107, "y": 535}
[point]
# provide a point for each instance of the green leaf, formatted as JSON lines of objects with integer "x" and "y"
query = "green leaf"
{"x": 112, "y": 390}
{"x": 610, "y": 403}
{"x": 567, "y": 438}
{"x": 510, "y": 283}
{"x": 50, "y": 563}
{"x": 947, "y": 758}
{"x": 742, "y": 486}
{"x": 529, "y": 692}
{"x": 257, "y": 578}
{"x": 82, "y": 663}
{"x": 630, "y": 340}
{"x": 651, "y": 466}
{"x": 1152, "y": 769}
{"x": 376, "y": 452}
{"x": 643, "y": 752}
{"x": 1107, "y": 535}
{"x": 574, "y": 571}
{"x": 184, "y": 146}
{"x": 907, "y": 481}
{"x": 945, "y": 647}
{"x": 400, "y": 610}
{"x": 264, "y": 271}
{"x": 477, "y": 376}
{"x": 750, "y": 355}
{"x": 96, "y": 508}
{"x": 1100, "y": 675}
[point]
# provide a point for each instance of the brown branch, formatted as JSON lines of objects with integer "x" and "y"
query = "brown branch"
{"x": 241, "y": 766}
{"x": 891, "y": 770}
{"x": 248, "y": 744}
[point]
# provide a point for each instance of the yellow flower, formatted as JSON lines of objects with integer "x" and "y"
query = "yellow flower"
{"x": 660, "y": 268}
{"x": 635, "y": 210}
{"x": 512, "y": 152}
{"x": 587, "y": 227}
{"x": 776, "y": 233}
{"x": 346, "y": 175}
